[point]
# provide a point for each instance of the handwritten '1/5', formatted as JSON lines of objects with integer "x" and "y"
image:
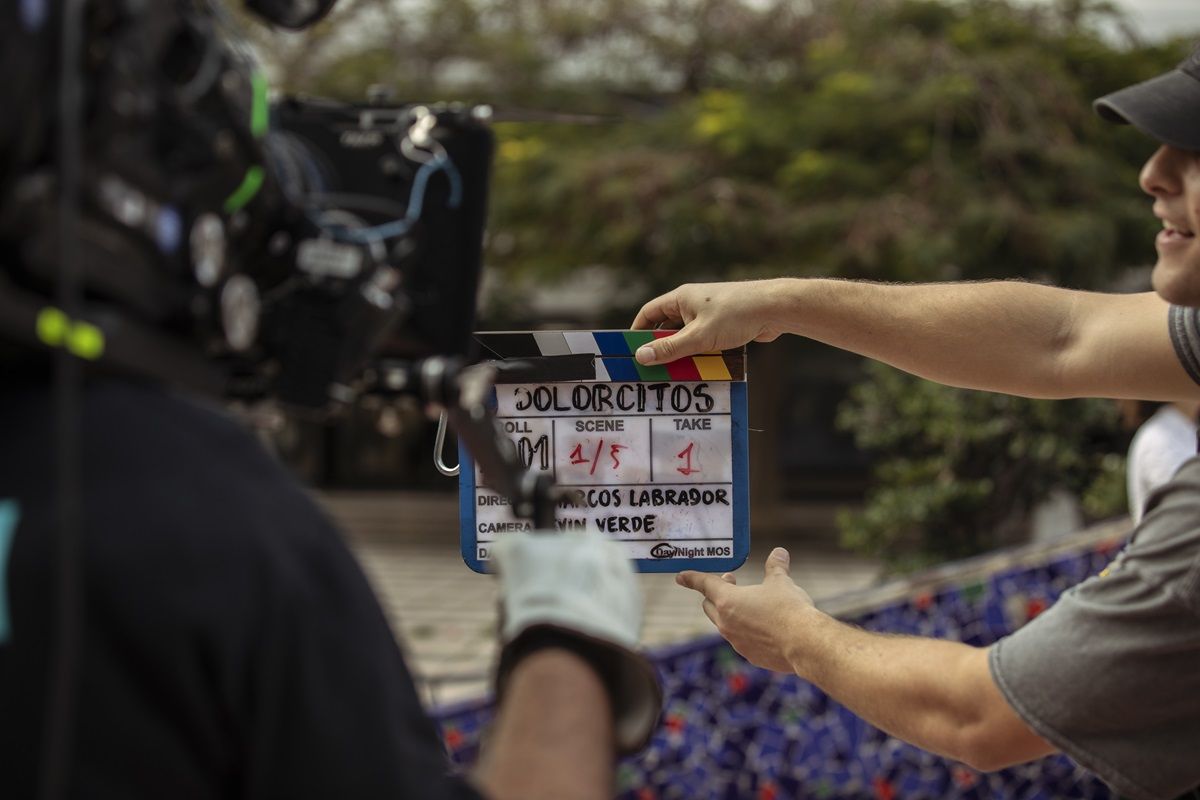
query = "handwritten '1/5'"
{"x": 577, "y": 457}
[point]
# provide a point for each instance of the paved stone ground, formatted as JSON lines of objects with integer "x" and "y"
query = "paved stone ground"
{"x": 445, "y": 614}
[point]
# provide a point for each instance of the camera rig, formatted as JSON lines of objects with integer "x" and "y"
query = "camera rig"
{"x": 292, "y": 251}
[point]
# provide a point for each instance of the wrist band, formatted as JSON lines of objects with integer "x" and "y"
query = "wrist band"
{"x": 631, "y": 683}
{"x": 601, "y": 658}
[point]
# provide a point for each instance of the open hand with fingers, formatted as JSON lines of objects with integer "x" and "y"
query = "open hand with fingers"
{"x": 713, "y": 316}
{"x": 765, "y": 623}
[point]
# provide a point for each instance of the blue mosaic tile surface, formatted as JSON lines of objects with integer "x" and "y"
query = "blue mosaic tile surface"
{"x": 731, "y": 730}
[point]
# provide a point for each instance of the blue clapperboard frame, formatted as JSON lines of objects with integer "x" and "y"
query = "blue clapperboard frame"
{"x": 607, "y": 356}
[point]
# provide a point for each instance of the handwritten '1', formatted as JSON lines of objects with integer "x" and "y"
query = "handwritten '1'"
{"x": 687, "y": 468}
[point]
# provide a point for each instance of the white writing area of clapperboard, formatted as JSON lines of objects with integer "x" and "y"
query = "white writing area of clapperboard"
{"x": 655, "y": 457}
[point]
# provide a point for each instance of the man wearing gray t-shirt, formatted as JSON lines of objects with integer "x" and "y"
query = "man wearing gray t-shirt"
{"x": 1110, "y": 675}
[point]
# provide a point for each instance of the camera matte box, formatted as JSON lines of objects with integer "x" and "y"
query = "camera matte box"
{"x": 656, "y": 456}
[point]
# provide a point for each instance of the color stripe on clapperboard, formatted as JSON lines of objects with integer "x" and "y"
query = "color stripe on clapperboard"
{"x": 615, "y": 350}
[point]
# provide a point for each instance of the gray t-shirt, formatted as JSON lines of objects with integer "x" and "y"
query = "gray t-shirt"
{"x": 1185, "y": 336}
{"x": 1111, "y": 673}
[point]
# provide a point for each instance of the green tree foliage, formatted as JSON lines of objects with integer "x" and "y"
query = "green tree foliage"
{"x": 887, "y": 139}
{"x": 960, "y": 471}
{"x": 921, "y": 141}
{"x": 892, "y": 139}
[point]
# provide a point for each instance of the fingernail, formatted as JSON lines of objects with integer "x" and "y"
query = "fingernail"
{"x": 645, "y": 354}
{"x": 780, "y": 554}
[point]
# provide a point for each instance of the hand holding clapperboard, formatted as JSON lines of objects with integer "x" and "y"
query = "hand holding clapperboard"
{"x": 654, "y": 456}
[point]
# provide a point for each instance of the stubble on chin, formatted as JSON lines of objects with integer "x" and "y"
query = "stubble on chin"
{"x": 1178, "y": 283}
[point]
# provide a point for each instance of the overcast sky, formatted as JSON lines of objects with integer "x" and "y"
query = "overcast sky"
{"x": 1159, "y": 18}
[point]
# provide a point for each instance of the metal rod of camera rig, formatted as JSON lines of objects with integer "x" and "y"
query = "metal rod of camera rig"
{"x": 531, "y": 494}
{"x": 463, "y": 391}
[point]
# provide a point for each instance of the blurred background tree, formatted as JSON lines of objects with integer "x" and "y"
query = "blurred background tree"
{"x": 899, "y": 140}
{"x": 960, "y": 472}
{"x": 896, "y": 140}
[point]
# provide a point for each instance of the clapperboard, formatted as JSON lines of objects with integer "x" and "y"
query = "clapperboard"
{"x": 655, "y": 457}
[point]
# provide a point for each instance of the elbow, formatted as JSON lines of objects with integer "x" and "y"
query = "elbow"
{"x": 988, "y": 735}
{"x": 978, "y": 750}
{"x": 1059, "y": 363}
{"x": 984, "y": 762}
{"x": 1057, "y": 374}
{"x": 985, "y": 748}
{"x": 1065, "y": 380}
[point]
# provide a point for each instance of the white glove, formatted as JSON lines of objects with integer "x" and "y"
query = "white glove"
{"x": 578, "y": 588}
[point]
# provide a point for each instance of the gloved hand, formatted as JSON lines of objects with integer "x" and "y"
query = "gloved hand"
{"x": 577, "y": 589}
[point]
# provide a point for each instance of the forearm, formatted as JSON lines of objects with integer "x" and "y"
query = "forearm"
{"x": 553, "y": 736}
{"x": 1003, "y": 336}
{"x": 938, "y": 695}
{"x": 1011, "y": 337}
{"x": 935, "y": 694}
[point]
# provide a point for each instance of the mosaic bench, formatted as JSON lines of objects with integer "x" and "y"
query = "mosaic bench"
{"x": 731, "y": 730}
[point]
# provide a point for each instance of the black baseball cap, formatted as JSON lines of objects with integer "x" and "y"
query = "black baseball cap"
{"x": 1166, "y": 108}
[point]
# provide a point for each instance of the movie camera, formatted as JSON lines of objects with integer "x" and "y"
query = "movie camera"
{"x": 299, "y": 250}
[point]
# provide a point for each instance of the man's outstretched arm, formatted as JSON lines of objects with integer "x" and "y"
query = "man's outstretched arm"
{"x": 1011, "y": 337}
{"x": 935, "y": 694}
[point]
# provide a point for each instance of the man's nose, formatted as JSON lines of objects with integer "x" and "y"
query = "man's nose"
{"x": 1160, "y": 174}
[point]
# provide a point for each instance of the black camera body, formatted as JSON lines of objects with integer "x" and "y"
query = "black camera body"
{"x": 420, "y": 222}
{"x": 230, "y": 244}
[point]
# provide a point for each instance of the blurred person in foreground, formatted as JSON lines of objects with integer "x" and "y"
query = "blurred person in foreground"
{"x": 1109, "y": 674}
{"x": 1164, "y": 438}
{"x": 226, "y": 644}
